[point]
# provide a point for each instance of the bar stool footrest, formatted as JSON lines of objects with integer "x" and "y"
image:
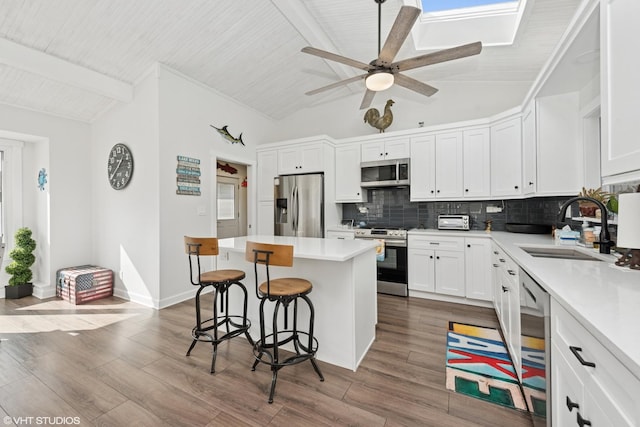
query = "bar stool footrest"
{"x": 301, "y": 352}
{"x": 202, "y": 333}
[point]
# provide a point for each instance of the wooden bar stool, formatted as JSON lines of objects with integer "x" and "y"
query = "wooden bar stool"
{"x": 283, "y": 292}
{"x": 221, "y": 281}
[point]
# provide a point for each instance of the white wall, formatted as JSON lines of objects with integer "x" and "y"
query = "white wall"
{"x": 187, "y": 109}
{"x": 342, "y": 118}
{"x": 126, "y": 222}
{"x": 60, "y": 217}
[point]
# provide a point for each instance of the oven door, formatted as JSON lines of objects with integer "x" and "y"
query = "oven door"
{"x": 392, "y": 270}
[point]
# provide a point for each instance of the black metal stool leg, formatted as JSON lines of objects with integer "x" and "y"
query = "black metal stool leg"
{"x": 274, "y": 378}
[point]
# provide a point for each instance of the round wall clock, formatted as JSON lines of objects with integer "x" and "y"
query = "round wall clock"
{"x": 119, "y": 166}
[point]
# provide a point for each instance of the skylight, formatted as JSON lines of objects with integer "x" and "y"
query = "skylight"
{"x": 447, "y": 23}
{"x": 442, "y": 5}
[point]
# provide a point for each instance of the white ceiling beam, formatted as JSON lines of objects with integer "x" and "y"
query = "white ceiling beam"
{"x": 299, "y": 17}
{"x": 50, "y": 67}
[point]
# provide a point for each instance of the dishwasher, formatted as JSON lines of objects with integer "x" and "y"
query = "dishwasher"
{"x": 536, "y": 349}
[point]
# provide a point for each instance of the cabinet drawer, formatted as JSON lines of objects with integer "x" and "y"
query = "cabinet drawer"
{"x": 344, "y": 235}
{"x": 437, "y": 243}
{"x": 573, "y": 340}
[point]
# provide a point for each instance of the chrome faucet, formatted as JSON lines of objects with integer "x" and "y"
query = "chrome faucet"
{"x": 605, "y": 237}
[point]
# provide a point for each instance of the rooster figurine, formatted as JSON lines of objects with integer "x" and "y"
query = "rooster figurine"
{"x": 372, "y": 116}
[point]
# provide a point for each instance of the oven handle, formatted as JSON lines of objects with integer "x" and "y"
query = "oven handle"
{"x": 388, "y": 243}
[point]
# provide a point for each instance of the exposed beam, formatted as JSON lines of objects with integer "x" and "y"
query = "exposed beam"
{"x": 50, "y": 67}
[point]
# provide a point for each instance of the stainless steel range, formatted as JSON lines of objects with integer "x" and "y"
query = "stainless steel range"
{"x": 392, "y": 261}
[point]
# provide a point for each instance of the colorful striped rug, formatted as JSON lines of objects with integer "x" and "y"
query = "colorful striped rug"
{"x": 479, "y": 365}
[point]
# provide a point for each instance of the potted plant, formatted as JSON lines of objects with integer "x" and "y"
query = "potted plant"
{"x": 20, "y": 269}
{"x": 589, "y": 208}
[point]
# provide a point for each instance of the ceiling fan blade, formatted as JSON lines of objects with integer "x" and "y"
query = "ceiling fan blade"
{"x": 398, "y": 34}
{"x": 337, "y": 58}
{"x": 336, "y": 84}
{"x": 368, "y": 98}
{"x": 437, "y": 57}
{"x": 414, "y": 85}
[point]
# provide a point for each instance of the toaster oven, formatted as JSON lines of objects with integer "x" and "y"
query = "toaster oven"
{"x": 453, "y": 222}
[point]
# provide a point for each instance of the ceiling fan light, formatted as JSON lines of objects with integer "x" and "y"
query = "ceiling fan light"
{"x": 378, "y": 81}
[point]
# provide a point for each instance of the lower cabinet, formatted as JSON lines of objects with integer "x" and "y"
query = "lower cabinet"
{"x": 589, "y": 385}
{"x": 506, "y": 300}
{"x": 454, "y": 266}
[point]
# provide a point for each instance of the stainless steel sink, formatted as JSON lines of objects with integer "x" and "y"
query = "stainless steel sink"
{"x": 559, "y": 252}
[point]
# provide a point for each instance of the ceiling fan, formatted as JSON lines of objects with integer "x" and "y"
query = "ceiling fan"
{"x": 382, "y": 72}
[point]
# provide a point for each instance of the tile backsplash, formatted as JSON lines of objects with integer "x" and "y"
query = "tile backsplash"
{"x": 390, "y": 207}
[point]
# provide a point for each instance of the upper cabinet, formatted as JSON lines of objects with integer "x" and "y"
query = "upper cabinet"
{"x": 476, "y": 155}
{"x": 385, "y": 149}
{"x": 506, "y": 158}
{"x": 559, "y": 145}
{"x": 620, "y": 86}
{"x": 267, "y": 170}
{"x": 348, "y": 174}
{"x": 529, "y": 157}
{"x": 301, "y": 159}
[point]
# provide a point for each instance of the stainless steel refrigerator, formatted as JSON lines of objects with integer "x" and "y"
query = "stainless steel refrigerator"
{"x": 299, "y": 207}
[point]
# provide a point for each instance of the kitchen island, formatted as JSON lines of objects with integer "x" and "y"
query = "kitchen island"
{"x": 343, "y": 274}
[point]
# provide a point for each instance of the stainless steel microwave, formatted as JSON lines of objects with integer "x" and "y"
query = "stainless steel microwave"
{"x": 453, "y": 222}
{"x": 384, "y": 173}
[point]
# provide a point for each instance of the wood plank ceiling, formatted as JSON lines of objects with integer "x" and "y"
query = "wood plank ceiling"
{"x": 247, "y": 50}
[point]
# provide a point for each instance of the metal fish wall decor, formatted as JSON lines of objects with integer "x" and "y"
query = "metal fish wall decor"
{"x": 226, "y": 135}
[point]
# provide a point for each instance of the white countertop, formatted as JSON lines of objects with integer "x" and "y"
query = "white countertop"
{"x": 306, "y": 247}
{"x": 603, "y": 297}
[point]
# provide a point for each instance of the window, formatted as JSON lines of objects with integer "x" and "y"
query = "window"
{"x": 443, "y": 5}
{"x": 226, "y": 201}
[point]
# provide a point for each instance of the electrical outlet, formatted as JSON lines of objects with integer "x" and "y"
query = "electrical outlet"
{"x": 494, "y": 209}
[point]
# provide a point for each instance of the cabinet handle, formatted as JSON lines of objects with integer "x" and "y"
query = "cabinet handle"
{"x": 357, "y": 194}
{"x": 434, "y": 243}
{"x": 516, "y": 187}
{"x": 466, "y": 190}
{"x": 437, "y": 191}
{"x": 495, "y": 265}
{"x": 502, "y": 260}
{"x": 530, "y": 183}
{"x": 511, "y": 272}
{"x": 505, "y": 289}
{"x": 576, "y": 352}
{"x": 581, "y": 421}
{"x": 571, "y": 405}
{"x": 431, "y": 256}
{"x": 468, "y": 245}
{"x": 431, "y": 191}
{"x": 495, "y": 252}
{"x": 386, "y": 154}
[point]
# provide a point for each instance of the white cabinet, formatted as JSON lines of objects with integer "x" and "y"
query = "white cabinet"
{"x": 559, "y": 145}
{"x": 476, "y": 162}
{"x": 506, "y": 297}
{"x": 267, "y": 170}
{"x": 588, "y": 382}
{"x": 301, "y": 159}
{"x": 436, "y": 264}
{"x": 477, "y": 260}
{"x": 619, "y": 85}
{"x": 448, "y": 165}
{"x": 348, "y": 174}
{"x": 385, "y": 149}
{"x": 436, "y": 166}
{"x": 506, "y": 158}
{"x": 423, "y": 171}
{"x": 265, "y": 222}
{"x": 529, "y": 156}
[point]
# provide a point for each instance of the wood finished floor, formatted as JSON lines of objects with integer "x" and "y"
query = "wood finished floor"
{"x": 115, "y": 363}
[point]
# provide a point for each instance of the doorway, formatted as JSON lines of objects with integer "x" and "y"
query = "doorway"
{"x": 231, "y": 200}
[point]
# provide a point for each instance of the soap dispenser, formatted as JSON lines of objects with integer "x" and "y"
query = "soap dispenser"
{"x": 587, "y": 235}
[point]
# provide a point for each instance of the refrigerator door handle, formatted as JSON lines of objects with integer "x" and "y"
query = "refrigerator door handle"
{"x": 296, "y": 206}
{"x": 397, "y": 171}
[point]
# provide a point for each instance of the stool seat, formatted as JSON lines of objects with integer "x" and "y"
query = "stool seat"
{"x": 288, "y": 286}
{"x": 218, "y": 276}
